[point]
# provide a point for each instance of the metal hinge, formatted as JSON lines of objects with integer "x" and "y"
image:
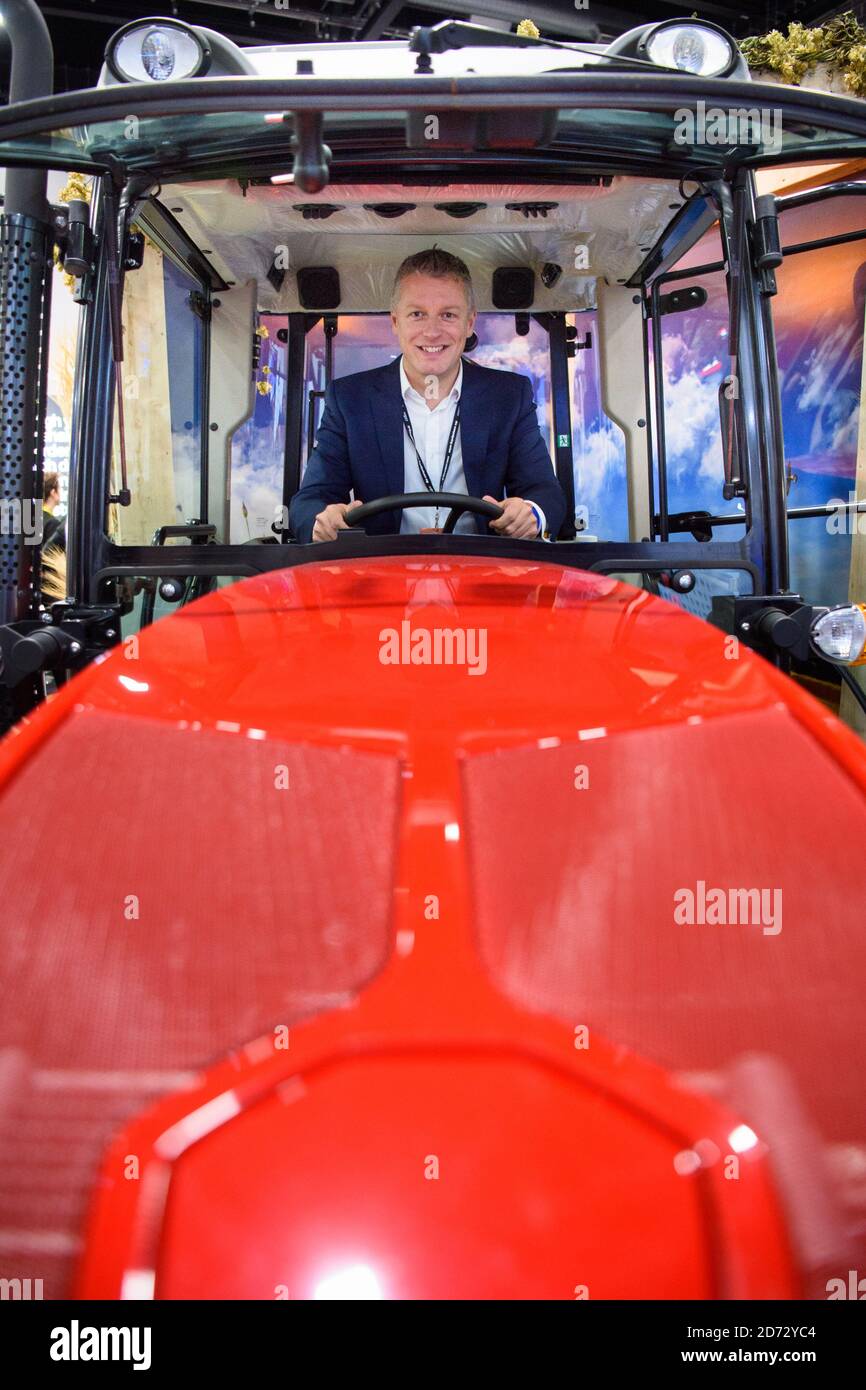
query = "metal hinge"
{"x": 200, "y": 305}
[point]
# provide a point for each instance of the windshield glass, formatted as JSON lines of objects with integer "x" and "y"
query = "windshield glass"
{"x": 682, "y": 124}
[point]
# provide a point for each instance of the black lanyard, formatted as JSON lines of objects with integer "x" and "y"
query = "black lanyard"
{"x": 449, "y": 449}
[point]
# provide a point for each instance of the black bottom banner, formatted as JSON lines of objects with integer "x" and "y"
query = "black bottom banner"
{"x": 160, "y": 1338}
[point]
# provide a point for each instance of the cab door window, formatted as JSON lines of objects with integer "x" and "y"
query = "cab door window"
{"x": 162, "y": 388}
{"x": 696, "y": 370}
{"x": 259, "y": 445}
{"x": 818, "y": 318}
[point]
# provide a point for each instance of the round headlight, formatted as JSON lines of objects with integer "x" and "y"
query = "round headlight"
{"x": 157, "y": 50}
{"x": 157, "y": 55}
{"x": 691, "y": 48}
{"x": 683, "y": 45}
{"x": 840, "y": 634}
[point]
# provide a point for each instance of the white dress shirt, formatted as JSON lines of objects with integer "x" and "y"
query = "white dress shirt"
{"x": 431, "y": 429}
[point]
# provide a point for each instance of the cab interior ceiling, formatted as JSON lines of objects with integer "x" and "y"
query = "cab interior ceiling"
{"x": 246, "y": 232}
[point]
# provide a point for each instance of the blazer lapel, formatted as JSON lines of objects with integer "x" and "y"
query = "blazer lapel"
{"x": 474, "y": 429}
{"x": 386, "y": 407}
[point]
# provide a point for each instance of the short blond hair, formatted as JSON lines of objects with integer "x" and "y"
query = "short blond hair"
{"x": 438, "y": 263}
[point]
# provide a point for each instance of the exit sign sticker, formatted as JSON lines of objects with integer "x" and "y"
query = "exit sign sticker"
{"x": 562, "y": 441}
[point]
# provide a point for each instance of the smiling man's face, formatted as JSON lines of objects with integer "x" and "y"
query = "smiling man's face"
{"x": 432, "y": 321}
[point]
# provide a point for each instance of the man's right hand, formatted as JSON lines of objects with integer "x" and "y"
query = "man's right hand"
{"x": 332, "y": 520}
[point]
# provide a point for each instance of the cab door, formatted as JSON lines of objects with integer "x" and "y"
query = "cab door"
{"x": 818, "y": 316}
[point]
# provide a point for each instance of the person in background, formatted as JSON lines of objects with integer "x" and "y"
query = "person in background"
{"x": 53, "y": 527}
{"x": 53, "y": 554}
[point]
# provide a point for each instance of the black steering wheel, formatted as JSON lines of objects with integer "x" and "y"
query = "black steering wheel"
{"x": 458, "y": 503}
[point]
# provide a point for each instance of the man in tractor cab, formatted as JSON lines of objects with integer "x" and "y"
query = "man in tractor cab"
{"x": 430, "y": 421}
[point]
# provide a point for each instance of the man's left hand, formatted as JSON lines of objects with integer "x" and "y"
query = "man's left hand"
{"x": 517, "y": 519}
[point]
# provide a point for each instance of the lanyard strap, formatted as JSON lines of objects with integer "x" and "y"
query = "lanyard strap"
{"x": 449, "y": 449}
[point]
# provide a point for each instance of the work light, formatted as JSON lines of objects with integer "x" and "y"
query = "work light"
{"x": 692, "y": 46}
{"x": 840, "y": 634}
{"x": 157, "y": 50}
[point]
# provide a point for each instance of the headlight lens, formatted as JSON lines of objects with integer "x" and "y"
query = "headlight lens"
{"x": 157, "y": 53}
{"x": 840, "y": 635}
{"x": 690, "y": 48}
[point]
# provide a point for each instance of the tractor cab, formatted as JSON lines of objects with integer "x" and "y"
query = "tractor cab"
{"x": 230, "y": 228}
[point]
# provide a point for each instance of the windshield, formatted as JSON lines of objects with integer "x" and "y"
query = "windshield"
{"x": 680, "y": 123}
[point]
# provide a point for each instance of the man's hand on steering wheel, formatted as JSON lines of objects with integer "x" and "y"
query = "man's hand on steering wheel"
{"x": 512, "y": 517}
{"x": 518, "y": 518}
{"x": 332, "y": 520}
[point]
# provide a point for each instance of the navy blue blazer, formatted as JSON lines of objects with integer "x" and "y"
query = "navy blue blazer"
{"x": 360, "y": 447}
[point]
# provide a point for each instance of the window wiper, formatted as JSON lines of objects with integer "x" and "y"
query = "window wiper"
{"x": 453, "y": 34}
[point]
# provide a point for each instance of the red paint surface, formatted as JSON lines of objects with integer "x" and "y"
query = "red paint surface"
{"x": 556, "y": 1161}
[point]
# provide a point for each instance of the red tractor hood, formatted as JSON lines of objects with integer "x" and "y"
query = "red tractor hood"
{"x": 420, "y": 928}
